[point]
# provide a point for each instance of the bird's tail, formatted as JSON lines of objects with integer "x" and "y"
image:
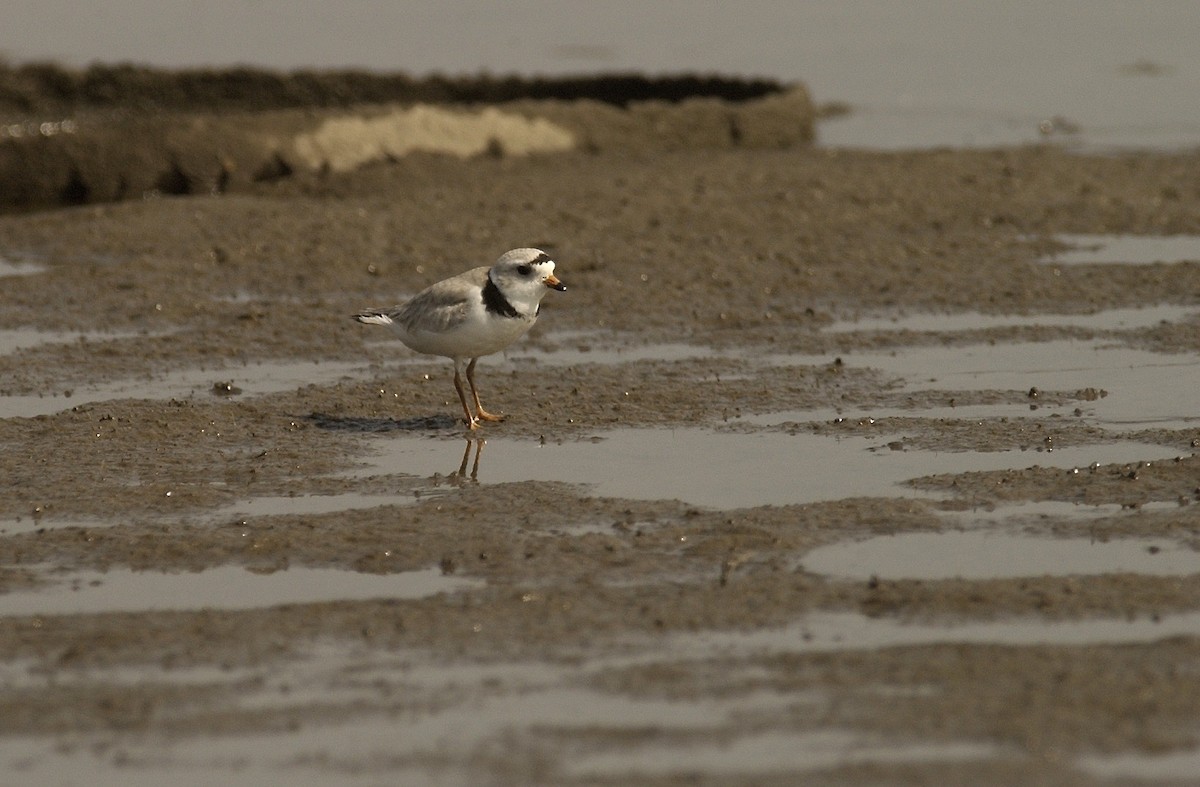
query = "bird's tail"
{"x": 374, "y": 318}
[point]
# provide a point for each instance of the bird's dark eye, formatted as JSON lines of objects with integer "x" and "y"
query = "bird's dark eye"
{"x": 524, "y": 270}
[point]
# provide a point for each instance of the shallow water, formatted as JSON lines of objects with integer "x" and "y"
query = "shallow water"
{"x": 767, "y": 752}
{"x": 1037, "y": 511}
{"x": 267, "y": 505}
{"x": 13, "y": 339}
{"x": 725, "y": 470}
{"x": 9, "y": 268}
{"x": 31, "y": 524}
{"x": 479, "y": 705}
{"x": 834, "y": 631}
{"x": 472, "y": 707}
{"x": 1105, "y": 320}
{"x": 1143, "y": 767}
{"x": 1126, "y": 249}
{"x": 1144, "y": 389}
{"x": 302, "y": 505}
{"x": 856, "y": 413}
{"x": 453, "y": 729}
{"x": 255, "y": 378}
{"x": 997, "y": 555}
{"x": 228, "y": 587}
{"x": 614, "y": 350}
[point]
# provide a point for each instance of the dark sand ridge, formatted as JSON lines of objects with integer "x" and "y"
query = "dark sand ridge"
{"x": 120, "y": 133}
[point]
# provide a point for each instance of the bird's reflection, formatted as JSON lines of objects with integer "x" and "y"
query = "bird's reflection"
{"x": 461, "y": 476}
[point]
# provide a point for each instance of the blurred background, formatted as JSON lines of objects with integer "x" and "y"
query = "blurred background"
{"x": 924, "y": 73}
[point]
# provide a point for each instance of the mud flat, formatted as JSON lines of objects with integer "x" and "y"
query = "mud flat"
{"x": 839, "y": 465}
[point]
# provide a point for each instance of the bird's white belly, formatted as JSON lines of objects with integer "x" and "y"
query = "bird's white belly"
{"x": 471, "y": 339}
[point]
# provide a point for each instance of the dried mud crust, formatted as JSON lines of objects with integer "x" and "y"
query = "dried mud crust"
{"x": 749, "y": 251}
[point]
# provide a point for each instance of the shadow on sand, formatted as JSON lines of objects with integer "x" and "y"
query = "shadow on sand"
{"x": 364, "y": 425}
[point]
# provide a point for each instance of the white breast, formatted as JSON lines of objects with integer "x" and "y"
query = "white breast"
{"x": 480, "y": 333}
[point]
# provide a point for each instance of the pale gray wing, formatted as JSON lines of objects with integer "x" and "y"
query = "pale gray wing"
{"x": 444, "y": 305}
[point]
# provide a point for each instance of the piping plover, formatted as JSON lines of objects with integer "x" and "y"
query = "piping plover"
{"x": 473, "y": 314}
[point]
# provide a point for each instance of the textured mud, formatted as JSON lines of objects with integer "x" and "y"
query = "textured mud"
{"x": 746, "y": 255}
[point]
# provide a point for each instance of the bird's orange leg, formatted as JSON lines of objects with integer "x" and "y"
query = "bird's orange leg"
{"x": 462, "y": 395}
{"x": 483, "y": 414}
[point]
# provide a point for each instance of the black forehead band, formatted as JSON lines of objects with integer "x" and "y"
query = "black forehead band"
{"x": 543, "y": 257}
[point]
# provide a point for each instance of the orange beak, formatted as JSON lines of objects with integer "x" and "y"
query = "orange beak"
{"x": 553, "y": 283}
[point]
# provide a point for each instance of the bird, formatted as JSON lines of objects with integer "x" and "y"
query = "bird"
{"x": 473, "y": 314}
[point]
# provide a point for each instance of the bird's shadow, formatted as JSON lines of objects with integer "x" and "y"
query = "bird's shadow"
{"x": 364, "y": 425}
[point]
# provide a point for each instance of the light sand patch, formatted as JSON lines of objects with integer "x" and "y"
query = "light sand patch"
{"x": 345, "y": 143}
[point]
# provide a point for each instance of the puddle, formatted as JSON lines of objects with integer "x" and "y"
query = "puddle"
{"x": 301, "y": 505}
{"x": 1126, "y": 249}
{"x": 770, "y": 752}
{"x": 725, "y": 469}
{"x": 969, "y": 412}
{"x": 997, "y": 555}
{"x": 298, "y": 505}
{"x": 471, "y": 708}
{"x": 24, "y": 674}
{"x": 1107, "y": 320}
{"x": 228, "y": 587}
{"x": 1145, "y": 389}
{"x": 75, "y": 761}
{"x": 606, "y": 347}
{"x": 468, "y": 708}
{"x": 823, "y": 632}
{"x": 461, "y": 720}
{"x": 10, "y": 268}
{"x": 1143, "y": 767}
{"x": 615, "y": 351}
{"x": 31, "y": 524}
{"x": 252, "y": 379}
{"x": 1036, "y": 511}
{"x": 13, "y": 339}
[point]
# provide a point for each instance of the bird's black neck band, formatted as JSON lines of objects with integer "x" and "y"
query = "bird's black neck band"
{"x": 495, "y": 302}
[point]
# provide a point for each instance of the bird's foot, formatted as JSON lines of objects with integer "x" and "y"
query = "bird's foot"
{"x": 484, "y": 415}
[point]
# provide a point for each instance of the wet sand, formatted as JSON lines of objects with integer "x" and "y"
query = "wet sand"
{"x": 202, "y": 402}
